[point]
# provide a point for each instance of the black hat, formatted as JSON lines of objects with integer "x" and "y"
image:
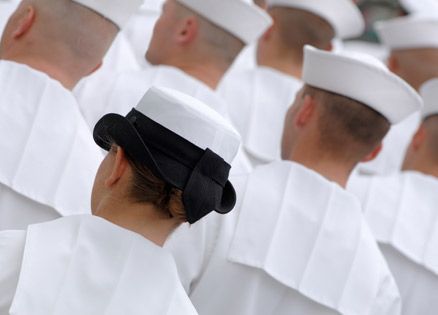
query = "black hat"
{"x": 201, "y": 174}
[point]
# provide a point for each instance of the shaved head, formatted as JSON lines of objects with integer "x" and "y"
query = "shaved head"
{"x": 60, "y": 32}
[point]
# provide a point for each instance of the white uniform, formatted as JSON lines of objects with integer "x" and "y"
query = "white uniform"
{"x": 7, "y": 7}
{"x": 295, "y": 244}
{"x": 86, "y": 265}
{"x": 120, "y": 58}
{"x": 49, "y": 159}
{"x": 402, "y": 212}
{"x": 258, "y": 101}
{"x": 139, "y": 28}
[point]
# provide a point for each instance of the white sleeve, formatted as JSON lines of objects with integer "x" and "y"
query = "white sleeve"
{"x": 11, "y": 254}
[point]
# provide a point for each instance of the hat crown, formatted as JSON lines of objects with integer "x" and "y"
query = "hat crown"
{"x": 117, "y": 11}
{"x": 365, "y": 80}
{"x": 192, "y": 120}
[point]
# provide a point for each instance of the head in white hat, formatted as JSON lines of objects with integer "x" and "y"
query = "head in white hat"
{"x": 413, "y": 41}
{"x": 171, "y": 153}
{"x": 68, "y": 38}
{"x": 344, "y": 110}
{"x": 343, "y": 15}
{"x": 205, "y": 33}
{"x": 300, "y": 22}
{"x": 422, "y": 153}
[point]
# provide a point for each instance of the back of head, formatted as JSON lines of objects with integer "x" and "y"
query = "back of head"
{"x": 297, "y": 28}
{"x": 413, "y": 41}
{"x": 182, "y": 35}
{"x": 348, "y": 129}
{"x": 60, "y": 33}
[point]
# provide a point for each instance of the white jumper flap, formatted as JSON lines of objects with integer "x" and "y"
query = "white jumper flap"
{"x": 309, "y": 234}
{"x": 48, "y": 152}
{"x": 87, "y": 265}
{"x": 402, "y": 211}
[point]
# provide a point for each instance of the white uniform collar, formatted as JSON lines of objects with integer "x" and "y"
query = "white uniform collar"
{"x": 402, "y": 211}
{"x": 273, "y": 94}
{"x": 51, "y": 156}
{"x": 86, "y": 265}
{"x": 309, "y": 235}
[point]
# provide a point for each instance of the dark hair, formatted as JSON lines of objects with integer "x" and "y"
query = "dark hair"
{"x": 148, "y": 188}
{"x": 298, "y": 28}
{"x": 347, "y": 127}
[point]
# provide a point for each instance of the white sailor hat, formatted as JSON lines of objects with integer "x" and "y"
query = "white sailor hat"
{"x": 409, "y": 32}
{"x": 419, "y": 6}
{"x": 183, "y": 142}
{"x": 343, "y": 15}
{"x": 117, "y": 11}
{"x": 242, "y": 18}
{"x": 362, "y": 78}
{"x": 429, "y": 93}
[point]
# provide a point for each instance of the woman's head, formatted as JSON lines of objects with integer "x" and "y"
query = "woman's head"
{"x": 121, "y": 177}
{"x": 177, "y": 152}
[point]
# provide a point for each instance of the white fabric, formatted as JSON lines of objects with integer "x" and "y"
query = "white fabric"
{"x": 429, "y": 93}
{"x": 87, "y": 265}
{"x": 362, "y": 78}
{"x": 343, "y": 15}
{"x": 295, "y": 244}
{"x": 49, "y": 153}
{"x": 401, "y": 210}
{"x": 120, "y": 58}
{"x": 242, "y": 18}
{"x": 420, "y": 6}
{"x": 11, "y": 255}
{"x": 258, "y": 101}
{"x": 140, "y": 27}
{"x": 7, "y": 7}
{"x": 191, "y": 119}
{"x": 409, "y": 32}
{"x": 395, "y": 144}
{"x": 117, "y": 11}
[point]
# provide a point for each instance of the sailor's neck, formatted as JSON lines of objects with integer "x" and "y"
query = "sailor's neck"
{"x": 427, "y": 169}
{"x": 331, "y": 169}
{"x": 283, "y": 65}
{"x": 208, "y": 73}
{"x": 141, "y": 218}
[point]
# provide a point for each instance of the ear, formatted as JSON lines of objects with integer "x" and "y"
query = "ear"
{"x": 188, "y": 31}
{"x": 373, "y": 154}
{"x": 419, "y": 138}
{"x": 393, "y": 64}
{"x": 119, "y": 167}
{"x": 305, "y": 112}
{"x": 24, "y": 21}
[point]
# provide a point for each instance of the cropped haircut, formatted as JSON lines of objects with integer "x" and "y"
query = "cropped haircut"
{"x": 298, "y": 28}
{"x": 347, "y": 128}
{"x": 148, "y": 188}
